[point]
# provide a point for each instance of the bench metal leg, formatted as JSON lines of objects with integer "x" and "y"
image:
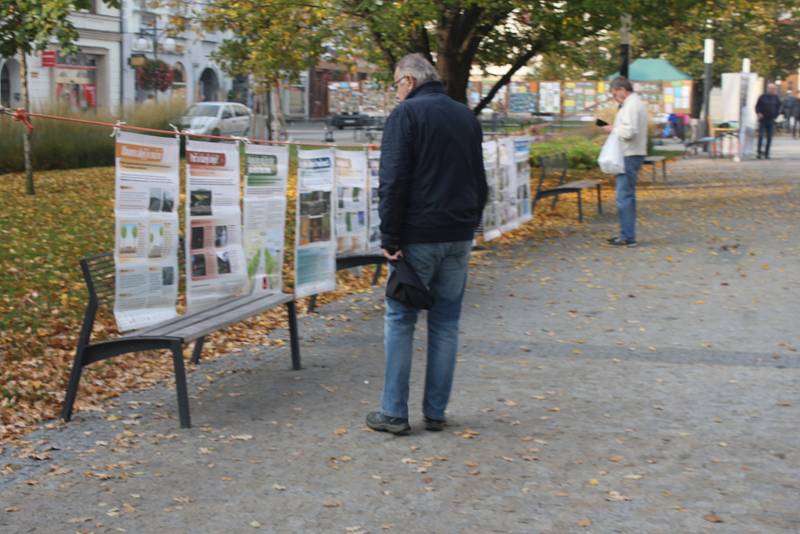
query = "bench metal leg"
{"x": 180, "y": 385}
{"x": 553, "y": 204}
{"x": 664, "y": 170}
{"x": 293, "y": 335}
{"x": 599, "y": 200}
{"x": 580, "y": 207}
{"x": 377, "y": 275}
{"x": 653, "y": 166}
{"x": 312, "y": 304}
{"x": 198, "y": 350}
{"x": 72, "y": 388}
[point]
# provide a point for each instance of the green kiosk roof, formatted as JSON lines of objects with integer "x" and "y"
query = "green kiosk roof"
{"x": 647, "y": 70}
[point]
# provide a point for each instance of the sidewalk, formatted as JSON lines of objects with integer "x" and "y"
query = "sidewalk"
{"x": 598, "y": 390}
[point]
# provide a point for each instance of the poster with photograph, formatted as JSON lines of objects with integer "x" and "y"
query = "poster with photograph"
{"x": 266, "y": 172}
{"x": 550, "y": 97}
{"x": 315, "y": 247}
{"x": 491, "y": 213}
{"x": 507, "y": 188}
{"x": 215, "y": 261}
{"x": 374, "y": 161}
{"x": 522, "y": 167}
{"x": 146, "y": 230}
{"x": 350, "y": 210}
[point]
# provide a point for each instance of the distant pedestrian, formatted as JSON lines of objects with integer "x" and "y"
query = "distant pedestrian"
{"x": 432, "y": 193}
{"x": 768, "y": 108}
{"x": 630, "y": 125}
{"x": 790, "y": 108}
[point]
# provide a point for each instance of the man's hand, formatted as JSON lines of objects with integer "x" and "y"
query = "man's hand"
{"x": 392, "y": 257}
{"x": 760, "y": 116}
{"x": 607, "y": 128}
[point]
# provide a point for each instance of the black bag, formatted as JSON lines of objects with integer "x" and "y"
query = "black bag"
{"x": 405, "y": 287}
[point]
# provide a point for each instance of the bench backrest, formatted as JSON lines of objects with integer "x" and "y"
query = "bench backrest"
{"x": 553, "y": 165}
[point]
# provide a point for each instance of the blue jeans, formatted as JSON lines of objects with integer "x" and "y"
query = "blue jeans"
{"x": 443, "y": 268}
{"x": 626, "y": 197}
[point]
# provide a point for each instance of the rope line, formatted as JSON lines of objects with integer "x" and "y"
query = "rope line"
{"x": 23, "y": 116}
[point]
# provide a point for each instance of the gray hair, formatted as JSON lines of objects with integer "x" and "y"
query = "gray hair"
{"x": 419, "y": 68}
{"x": 621, "y": 83}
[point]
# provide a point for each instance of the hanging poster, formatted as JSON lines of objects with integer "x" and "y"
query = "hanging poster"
{"x": 315, "y": 248}
{"x": 522, "y": 160}
{"x": 374, "y": 160}
{"x": 266, "y": 172}
{"x": 351, "y": 202}
{"x": 550, "y": 97}
{"x": 215, "y": 261}
{"x": 508, "y": 186}
{"x": 491, "y": 213}
{"x": 146, "y": 230}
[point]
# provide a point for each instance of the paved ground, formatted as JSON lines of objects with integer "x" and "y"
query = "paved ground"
{"x": 598, "y": 390}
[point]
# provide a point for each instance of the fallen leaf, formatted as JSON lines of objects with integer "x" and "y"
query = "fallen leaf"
{"x": 713, "y": 518}
{"x": 331, "y": 503}
{"x": 615, "y": 496}
{"x": 616, "y": 458}
{"x": 583, "y": 523}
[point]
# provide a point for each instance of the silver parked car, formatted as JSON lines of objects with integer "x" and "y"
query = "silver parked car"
{"x": 217, "y": 118}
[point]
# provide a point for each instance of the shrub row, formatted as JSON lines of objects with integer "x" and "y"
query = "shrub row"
{"x": 64, "y": 145}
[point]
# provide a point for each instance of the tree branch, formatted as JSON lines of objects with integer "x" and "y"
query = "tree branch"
{"x": 520, "y": 62}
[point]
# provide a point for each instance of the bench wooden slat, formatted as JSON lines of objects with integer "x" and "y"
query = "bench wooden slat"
{"x": 221, "y": 308}
{"x": 194, "y": 329}
{"x": 578, "y": 184}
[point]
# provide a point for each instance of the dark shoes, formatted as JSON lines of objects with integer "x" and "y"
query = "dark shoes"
{"x": 399, "y": 426}
{"x": 619, "y": 242}
{"x": 396, "y": 425}
{"x": 434, "y": 425}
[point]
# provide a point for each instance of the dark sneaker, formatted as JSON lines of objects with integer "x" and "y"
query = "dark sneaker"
{"x": 381, "y": 423}
{"x": 612, "y": 239}
{"x": 619, "y": 242}
{"x": 435, "y": 425}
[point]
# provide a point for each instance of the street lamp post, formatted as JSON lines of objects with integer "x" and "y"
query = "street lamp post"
{"x": 153, "y": 33}
{"x": 708, "y": 59}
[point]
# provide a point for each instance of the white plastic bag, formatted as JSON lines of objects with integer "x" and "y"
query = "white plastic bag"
{"x": 611, "y": 159}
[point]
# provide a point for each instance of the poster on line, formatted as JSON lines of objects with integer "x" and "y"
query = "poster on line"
{"x": 522, "y": 167}
{"x": 507, "y": 186}
{"x": 146, "y": 230}
{"x": 315, "y": 246}
{"x": 266, "y": 173}
{"x": 374, "y": 162}
{"x": 350, "y": 210}
{"x": 215, "y": 260}
{"x": 491, "y": 213}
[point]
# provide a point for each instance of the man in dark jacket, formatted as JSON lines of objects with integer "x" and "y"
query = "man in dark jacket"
{"x": 768, "y": 108}
{"x": 432, "y": 193}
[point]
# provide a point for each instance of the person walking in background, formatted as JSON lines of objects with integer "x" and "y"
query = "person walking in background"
{"x": 432, "y": 193}
{"x": 790, "y": 108}
{"x": 768, "y": 107}
{"x": 630, "y": 125}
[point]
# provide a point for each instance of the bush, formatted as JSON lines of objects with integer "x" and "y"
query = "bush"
{"x": 65, "y": 145}
{"x": 581, "y": 152}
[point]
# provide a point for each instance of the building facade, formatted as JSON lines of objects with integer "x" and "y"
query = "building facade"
{"x": 102, "y": 75}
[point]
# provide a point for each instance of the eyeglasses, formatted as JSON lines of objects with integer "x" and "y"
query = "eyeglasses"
{"x": 396, "y": 83}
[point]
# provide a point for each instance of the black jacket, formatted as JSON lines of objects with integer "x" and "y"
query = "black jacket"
{"x": 432, "y": 182}
{"x": 769, "y": 106}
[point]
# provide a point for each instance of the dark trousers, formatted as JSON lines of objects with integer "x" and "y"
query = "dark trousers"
{"x": 765, "y": 127}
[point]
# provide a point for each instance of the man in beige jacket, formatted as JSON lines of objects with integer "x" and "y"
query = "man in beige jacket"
{"x": 630, "y": 125}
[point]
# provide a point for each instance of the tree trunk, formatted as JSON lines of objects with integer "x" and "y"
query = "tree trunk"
{"x": 280, "y": 120}
{"x": 26, "y": 136}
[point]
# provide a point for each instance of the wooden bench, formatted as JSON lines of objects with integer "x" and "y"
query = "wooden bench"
{"x": 172, "y": 335}
{"x": 348, "y": 262}
{"x": 557, "y": 165}
{"x": 653, "y": 161}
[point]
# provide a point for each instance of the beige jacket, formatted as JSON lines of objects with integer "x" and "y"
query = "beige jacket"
{"x": 630, "y": 125}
